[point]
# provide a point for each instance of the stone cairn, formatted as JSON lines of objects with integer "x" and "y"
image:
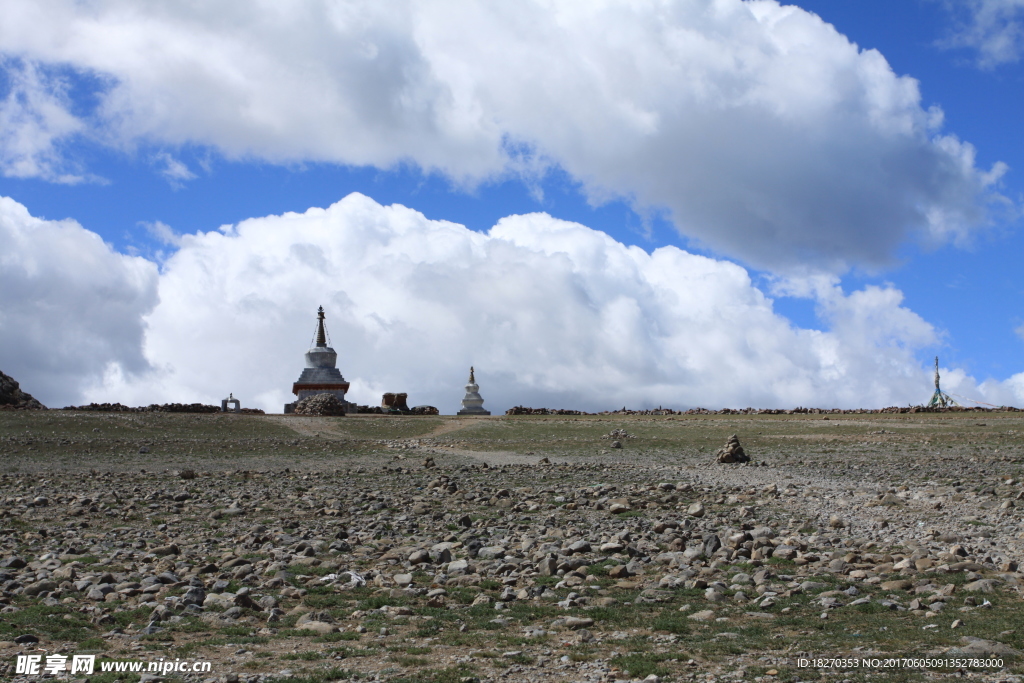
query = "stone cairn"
{"x": 732, "y": 451}
{"x": 320, "y": 404}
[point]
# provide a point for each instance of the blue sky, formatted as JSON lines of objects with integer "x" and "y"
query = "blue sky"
{"x": 974, "y": 294}
{"x": 130, "y": 130}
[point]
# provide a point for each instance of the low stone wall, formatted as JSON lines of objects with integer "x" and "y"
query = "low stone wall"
{"x": 155, "y": 408}
{"x": 522, "y": 410}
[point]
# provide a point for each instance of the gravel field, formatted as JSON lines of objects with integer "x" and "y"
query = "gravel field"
{"x": 556, "y": 548}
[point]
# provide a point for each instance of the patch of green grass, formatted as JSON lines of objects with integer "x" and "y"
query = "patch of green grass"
{"x": 779, "y": 562}
{"x": 338, "y": 636}
{"x": 354, "y": 651}
{"x": 601, "y": 568}
{"x": 671, "y": 620}
{"x": 312, "y": 571}
{"x": 236, "y": 631}
{"x": 46, "y": 620}
{"x": 245, "y": 640}
{"x": 334, "y": 674}
{"x": 448, "y": 675}
{"x": 625, "y": 616}
{"x": 407, "y": 661}
{"x": 114, "y": 677}
{"x": 189, "y": 625}
{"x": 306, "y": 656}
{"x": 410, "y": 650}
{"x": 297, "y": 633}
{"x": 642, "y": 665}
{"x": 161, "y": 637}
{"x": 189, "y": 649}
{"x": 92, "y": 644}
{"x": 378, "y": 601}
{"x": 871, "y": 608}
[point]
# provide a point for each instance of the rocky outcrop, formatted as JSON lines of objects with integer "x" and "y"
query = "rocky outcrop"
{"x": 13, "y": 398}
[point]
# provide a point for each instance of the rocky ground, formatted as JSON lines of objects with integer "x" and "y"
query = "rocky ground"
{"x": 559, "y": 548}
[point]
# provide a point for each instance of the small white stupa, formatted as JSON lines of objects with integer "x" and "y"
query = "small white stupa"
{"x": 473, "y": 404}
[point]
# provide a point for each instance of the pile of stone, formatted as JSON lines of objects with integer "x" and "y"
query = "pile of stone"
{"x": 424, "y": 410}
{"x": 394, "y": 403}
{"x": 320, "y": 405}
{"x": 838, "y": 411}
{"x": 415, "y": 410}
{"x": 654, "y": 411}
{"x": 181, "y": 408}
{"x": 155, "y": 408}
{"x": 732, "y": 452}
{"x": 13, "y": 398}
{"x": 523, "y": 410}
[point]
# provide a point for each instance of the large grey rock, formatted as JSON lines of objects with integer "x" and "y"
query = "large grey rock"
{"x": 979, "y": 646}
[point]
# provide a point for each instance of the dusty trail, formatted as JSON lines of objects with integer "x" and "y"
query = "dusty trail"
{"x": 318, "y": 427}
{"x": 309, "y": 426}
{"x": 495, "y": 458}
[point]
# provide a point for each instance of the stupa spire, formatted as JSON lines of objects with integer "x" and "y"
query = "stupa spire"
{"x": 321, "y": 332}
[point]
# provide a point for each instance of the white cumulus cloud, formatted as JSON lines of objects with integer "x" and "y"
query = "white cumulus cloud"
{"x": 34, "y": 123}
{"x": 993, "y": 28}
{"x": 765, "y": 133}
{"x": 550, "y": 312}
{"x": 71, "y": 308}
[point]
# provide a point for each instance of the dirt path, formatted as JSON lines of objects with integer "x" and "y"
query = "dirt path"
{"x": 314, "y": 426}
{"x": 454, "y": 425}
{"x": 496, "y": 458}
{"x": 310, "y": 426}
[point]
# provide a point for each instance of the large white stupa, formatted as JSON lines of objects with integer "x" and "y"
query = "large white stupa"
{"x": 473, "y": 403}
{"x": 321, "y": 375}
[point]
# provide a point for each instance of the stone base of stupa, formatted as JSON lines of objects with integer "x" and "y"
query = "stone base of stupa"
{"x": 473, "y": 411}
